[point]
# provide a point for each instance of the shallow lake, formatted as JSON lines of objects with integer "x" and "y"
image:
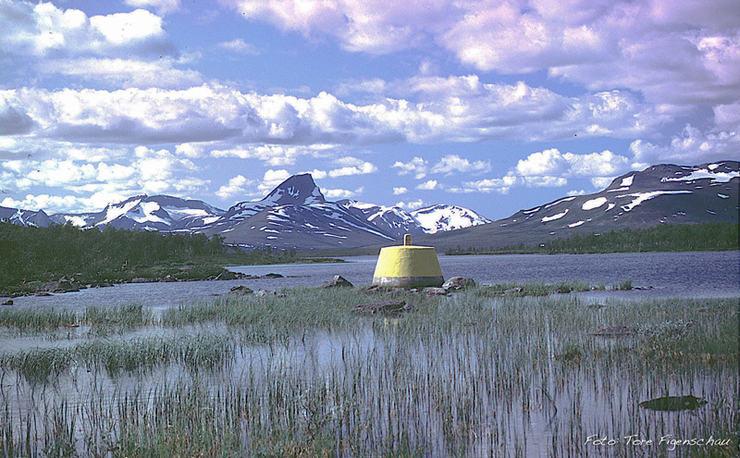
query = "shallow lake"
{"x": 689, "y": 274}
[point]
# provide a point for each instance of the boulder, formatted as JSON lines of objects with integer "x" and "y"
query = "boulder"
{"x": 457, "y": 283}
{"x": 337, "y": 281}
{"x": 434, "y": 291}
{"x": 241, "y": 289}
{"x": 8, "y": 302}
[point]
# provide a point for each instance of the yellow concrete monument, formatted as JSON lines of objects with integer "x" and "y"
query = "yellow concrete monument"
{"x": 407, "y": 266}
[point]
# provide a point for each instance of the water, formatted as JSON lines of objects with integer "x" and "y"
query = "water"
{"x": 692, "y": 274}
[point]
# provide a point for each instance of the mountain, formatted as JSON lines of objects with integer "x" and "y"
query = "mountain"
{"x": 25, "y": 217}
{"x": 295, "y": 215}
{"x": 151, "y": 213}
{"x": 660, "y": 194}
{"x": 428, "y": 220}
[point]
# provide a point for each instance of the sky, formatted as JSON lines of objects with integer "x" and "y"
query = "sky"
{"x": 492, "y": 105}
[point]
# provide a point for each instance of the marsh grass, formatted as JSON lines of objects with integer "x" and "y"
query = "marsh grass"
{"x": 40, "y": 365}
{"x": 465, "y": 375}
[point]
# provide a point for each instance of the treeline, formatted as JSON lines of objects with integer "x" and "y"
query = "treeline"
{"x": 46, "y": 253}
{"x": 666, "y": 237}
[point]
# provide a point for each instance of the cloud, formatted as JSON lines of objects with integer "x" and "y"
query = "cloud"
{"x": 501, "y": 185}
{"x": 675, "y": 53}
{"x": 352, "y": 166}
{"x": 399, "y": 190}
{"x": 429, "y": 185}
{"x": 161, "y": 6}
{"x": 45, "y": 30}
{"x": 13, "y": 120}
{"x": 412, "y": 205}
{"x": 691, "y": 146}
{"x": 552, "y": 162}
{"x": 236, "y": 185}
{"x": 274, "y": 155}
{"x": 454, "y": 163}
{"x": 272, "y": 178}
{"x": 416, "y": 166}
{"x": 212, "y": 112}
{"x": 126, "y": 72}
{"x": 91, "y": 182}
{"x": 239, "y": 46}
{"x": 342, "y": 193}
{"x": 601, "y": 182}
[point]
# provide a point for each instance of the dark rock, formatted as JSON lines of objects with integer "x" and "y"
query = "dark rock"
{"x": 337, "y": 281}
{"x": 42, "y": 293}
{"x": 434, "y": 291}
{"x": 457, "y": 283}
{"x": 260, "y": 277}
{"x": 674, "y": 403}
{"x": 241, "y": 289}
{"x": 8, "y": 302}
{"x": 384, "y": 307}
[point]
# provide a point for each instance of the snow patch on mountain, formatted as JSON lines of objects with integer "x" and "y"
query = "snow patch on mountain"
{"x": 641, "y": 197}
{"x": 593, "y": 203}
{"x": 555, "y": 216}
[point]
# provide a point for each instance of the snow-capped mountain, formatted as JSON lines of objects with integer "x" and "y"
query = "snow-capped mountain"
{"x": 152, "y": 213}
{"x": 428, "y": 220}
{"x": 659, "y": 194}
{"x": 295, "y": 215}
{"x": 25, "y": 217}
{"x": 441, "y": 217}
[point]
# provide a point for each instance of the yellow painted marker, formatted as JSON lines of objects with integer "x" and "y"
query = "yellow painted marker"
{"x": 407, "y": 266}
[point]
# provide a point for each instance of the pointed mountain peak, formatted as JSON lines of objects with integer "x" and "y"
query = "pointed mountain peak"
{"x": 296, "y": 190}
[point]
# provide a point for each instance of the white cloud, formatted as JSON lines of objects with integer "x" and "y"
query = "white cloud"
{"x": 501, "y": 185}
{"x": 412, "y": 205}
{"x": 45, "y": 30}
{"x": 161, "y": 6}
{"x": 399, "y": 190}
{"x": 673, "y": 52}
{"x": 416, "y": 166}
{"x": 212, "y": 112}
{"x": 352, "y": 166}
{"x": 272, "y": 178}
{"x": 125, "y": 72}
{"x": 576, "y": 192}
{"x": 236, "y": 185}
{"x": 239, "y": 46}
{"x": 342, "y": 193}
{"x": 601, "y": 182}
{"x": 552, "y": 162}
{"x": 429, "y": 185}
{"x": 453, "y": 163}
{"x": 274, "y": 155}
{"x": 691, "y": 146}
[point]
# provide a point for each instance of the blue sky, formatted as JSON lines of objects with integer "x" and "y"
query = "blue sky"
{"x": 492, "y": 105}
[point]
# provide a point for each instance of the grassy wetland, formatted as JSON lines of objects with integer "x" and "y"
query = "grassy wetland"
{"x": 487, "y": 371}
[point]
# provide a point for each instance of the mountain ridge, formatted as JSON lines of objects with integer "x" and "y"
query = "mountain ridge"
{"x": 295, "y": 214}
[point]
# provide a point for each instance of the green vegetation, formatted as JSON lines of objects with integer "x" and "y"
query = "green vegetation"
{"x": 665, "y": 237}
{"x": 483, "y": 372}
{"x": 31, "y": 257}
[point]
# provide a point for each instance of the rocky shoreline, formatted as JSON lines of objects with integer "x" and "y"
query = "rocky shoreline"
{"x": 71, "y": 284}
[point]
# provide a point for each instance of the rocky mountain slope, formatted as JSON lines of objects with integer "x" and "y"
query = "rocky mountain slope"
{"x": 659, "y": 194}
